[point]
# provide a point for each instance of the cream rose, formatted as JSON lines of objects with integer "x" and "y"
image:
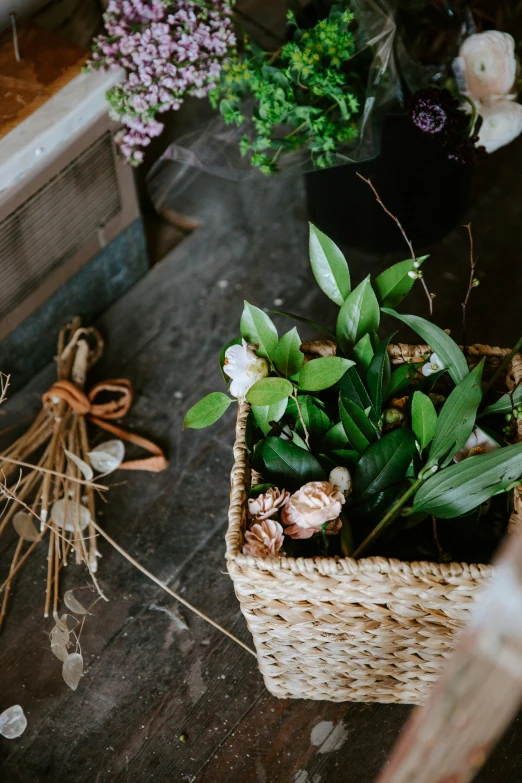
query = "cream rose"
{"x": 501, "y": 123}
{"x": 488, "y": 64}
{"x": 308, "y": 509}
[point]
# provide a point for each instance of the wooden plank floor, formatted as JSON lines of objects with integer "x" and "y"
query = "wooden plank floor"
{"x": 154, "y": 671}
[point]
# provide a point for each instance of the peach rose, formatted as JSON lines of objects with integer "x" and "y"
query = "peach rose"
{"x": 267, "y": 504}
{"x": 488, "y": 64}
{"x": 264, "y": 539}
{"x": 308, "y": 509}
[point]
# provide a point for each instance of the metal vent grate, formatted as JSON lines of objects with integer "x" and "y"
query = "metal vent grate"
{"x": 56, "y": 221}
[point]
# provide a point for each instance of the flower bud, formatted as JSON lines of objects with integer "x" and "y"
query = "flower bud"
{"x": 341, "y": 479}
{"x": 393, "y": 416}
{"x": 475, "y": 282}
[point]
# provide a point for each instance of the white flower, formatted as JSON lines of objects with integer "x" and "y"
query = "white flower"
{"x": 477, "y": 443}
{"x": 434, "y": 364}
{"x": 244, "y": 368}
{"x": 488, "y": 64}
{"x": 341, "y": 479}
{"x": 502, "y": 122}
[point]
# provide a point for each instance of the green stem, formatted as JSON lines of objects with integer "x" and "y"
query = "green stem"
{"x": 325, "y": 539}
{"x": 386, "y": 521}
{"x": 504, "y": 364}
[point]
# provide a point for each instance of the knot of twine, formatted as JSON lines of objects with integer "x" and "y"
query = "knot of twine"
{"x": 99, "y": 413}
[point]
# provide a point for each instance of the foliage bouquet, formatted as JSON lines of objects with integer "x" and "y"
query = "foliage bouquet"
{"x": 351, "y": 458}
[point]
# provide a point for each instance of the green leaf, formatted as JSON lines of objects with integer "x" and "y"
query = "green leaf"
{"x": 441, "y": 343}
{"x": 316, "y": 420}
{"x": 259, "y": 489}
{"x": 322, "y": 373}
{"x": 392, "y": 285}
{"x": 335, "y": 438}
{"x": 258, "y": 329}
{"x": 384, "y": 464}
{"x": 290, "y": 464}
{"x": 264, "y": 414}
{"x": 237, "y": 341}
{"x": 358, "y": 316}
{"x": 345, "y": 457}
{"x": 423, "y": 418}
{"x": 329, "y": 266}
{"x": 504, "y": 404}
{"x": 457, "y": 418}
{"x": 288, "y": 359}
{"x": 458, "y": 489}
{"x": 269, "y": 391}
{"x": 207, "y": 411}
{"x": 401, "y": 379}
{"x": 359, "y": 430}
{"x": 352, "y": 388}
{"x": 303, "y": 321}
{"x": 378, "y": 375}
{"x": 363, "y": 351}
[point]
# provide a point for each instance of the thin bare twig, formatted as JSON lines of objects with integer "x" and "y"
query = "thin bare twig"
{"x": 471, "y": 284}
{"x": 403, "y": 232}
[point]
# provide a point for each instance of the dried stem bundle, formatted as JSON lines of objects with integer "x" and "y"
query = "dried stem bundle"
{"x": 56, "y": 483}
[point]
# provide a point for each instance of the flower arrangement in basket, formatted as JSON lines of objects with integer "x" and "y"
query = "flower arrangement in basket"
{"x": 380, "y": 473}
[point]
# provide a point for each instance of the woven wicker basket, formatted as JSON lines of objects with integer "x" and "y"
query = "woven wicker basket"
{"x": 373, "y": 629}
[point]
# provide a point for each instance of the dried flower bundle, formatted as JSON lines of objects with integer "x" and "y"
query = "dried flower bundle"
{"x": 355, "y": 458}
{"x": 49, "y": 477}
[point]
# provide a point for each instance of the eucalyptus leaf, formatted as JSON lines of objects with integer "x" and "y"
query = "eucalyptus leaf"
{"x": 322, "y": 373}
{"x": 265, "y": 414}
{"x": 384, "y": 464}
{"x": 358, "y": 428}
{"x": 288, "y": 359}
{"x": 441, "y": 343}
{"x": 329, "y": 266}
{"x": 24, "y": 526}
{"x": 258, "y": 328}
{"x": 289, "y": 465}
{"x": 378, "y": 375}
{"x": 505, "y": 404}
{"x": 72, "y": 670}
{"x": 269, "y": 391}
{"x": 363, "y": 351}
{"x": 358, "y": 316}
{"x": 392, "y": 285}
{"x": 457, "y": 418}
{"x": 207, "y": 411}
{"x": 461, "y": 487}
{"x": 423, "y": 418}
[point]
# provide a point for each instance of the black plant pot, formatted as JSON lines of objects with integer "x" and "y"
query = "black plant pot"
{"x": 415, "y": 180}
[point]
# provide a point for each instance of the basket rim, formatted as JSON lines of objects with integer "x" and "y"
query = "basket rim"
{"x": 332, "y": 566}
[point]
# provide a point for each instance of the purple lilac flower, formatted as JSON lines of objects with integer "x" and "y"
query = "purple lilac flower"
{"x": 170, "y": 49}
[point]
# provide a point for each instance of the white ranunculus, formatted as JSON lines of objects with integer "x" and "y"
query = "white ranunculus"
{"x": 244, "y": 368}
{"x": 502, "y": 122}
{"x": 433, "y": 364}
{"x": 477, "y": 443}
{"x": 488, "y": 64}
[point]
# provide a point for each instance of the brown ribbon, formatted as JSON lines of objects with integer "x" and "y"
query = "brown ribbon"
{"x": 99, "y": 413}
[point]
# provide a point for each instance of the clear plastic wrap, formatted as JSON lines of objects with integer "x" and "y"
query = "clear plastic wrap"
{"x": 214, "y": 149}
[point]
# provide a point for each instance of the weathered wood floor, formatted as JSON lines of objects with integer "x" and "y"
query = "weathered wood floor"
{"x": 155, "y": 671}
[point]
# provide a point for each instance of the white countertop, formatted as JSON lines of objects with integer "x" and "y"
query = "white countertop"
{"x": 54, "y": 125}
